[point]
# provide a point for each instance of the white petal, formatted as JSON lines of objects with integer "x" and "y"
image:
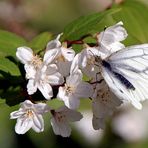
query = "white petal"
{"x": 73, "y": 115}
{"x": 26, "y": 104}
{"x": 64, "y": 67}
{"x": 51, "y": 69}
{"x": 24, "y": 54}
{"x": 75, "y": 64}
{"x": 55, "y": 79}
{"x": 81, "y": 58}
{"x": 62, "y": 94}
{"x": 54, "y": 43}
{"x": 38, "y": 123}
{"x": 30, "y": 71}
{"x": 46, "y": 90}
{"x": 115, "y": 46}
{"x": 23, "y": 125}
{"x": 60, "y": 128}
{"x": 68, "y": 53}
{"x": 98, "y": 123}
{"x": 41, "y": 108}
{"x": 74, "y": 79}
{"x": 16, "y": 114}
{"x": 84, "y": 89}
{"x": 31, "y": 87}
{"x": 72, "y": 102}
{"x": 112, "y": 34}
{"x": 50, "y": 55}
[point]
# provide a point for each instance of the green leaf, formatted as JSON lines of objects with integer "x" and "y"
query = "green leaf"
{"x": 40, "y": 41}
{"x": 134, "y": 15}
{"x": 12, "y": 96}
{"x": 86, "y": 25}
{"x": 9, "y": 43}
{"x": 9, "y": 67}
{"x": 2, "y": 102}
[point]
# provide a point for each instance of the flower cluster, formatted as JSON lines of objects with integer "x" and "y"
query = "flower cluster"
{"x": 76, "y": 76}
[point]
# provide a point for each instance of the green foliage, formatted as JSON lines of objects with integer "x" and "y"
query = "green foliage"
{"x": 12, "y": 96}
{"x": 86, "y": 25}
{"x": 39, "y": 42}
{"x": 134, "y": 16}
{"x": 9, "y": 67}
{"x": 9, "y": 43}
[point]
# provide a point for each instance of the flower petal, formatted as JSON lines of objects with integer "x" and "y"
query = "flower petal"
{"x": 23, "y": 125}
{"x": 60, "y": 128}
{"x": 51, "y": 69}
{"x": 73, "y": 115}
{"x": 72, "y": 102}
{"x": 16, "y": 114}
{"x": 24, "y": 54}
{"x": 75, "y": 63}
{"x": 54, "y": 43}
{"x": 38, "y": 123}
{"x": 50, "y": 55}
{"x": 64, "y": 67}
{"x": 41, "y": 108}
{"x": 74, "y": 79}
{"x": 84, "y": 90}
{"x": 62, "y": 94}
{"x": 113, "y": 34}
{"x": 98, "y": 123}
{"x": 31, "y": 87}
{"x": 26, "y": 104}
{"x": 30, "y": 71}
{"x": 55, "y": 79}
{"x": 46, "y": 90}
{"x": 68, "y": 53}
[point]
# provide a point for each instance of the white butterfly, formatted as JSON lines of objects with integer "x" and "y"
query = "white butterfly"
{"x": 126, "y": 73}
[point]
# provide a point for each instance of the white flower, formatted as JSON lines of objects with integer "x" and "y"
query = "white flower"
{"x": 73, "y": 90}
{"x": 31, "y": 62}
{"x": 59, "y": 54}
{"x": 41, "y": 75}
{"x": 109, "y": 39}
{"x": 88, "y": 61}
{"x": 29, "y": 116}
{"x": 61, "y": 118}
{"x": 44, "y": 78}
{"x": 103, "y": 105}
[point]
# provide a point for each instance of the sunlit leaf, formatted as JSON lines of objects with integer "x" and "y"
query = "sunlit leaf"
{"x": 86, "y": 25}
{"x": 134, "y": 16}
{"x": 9, "y": 42}
{"x": 40, "y": 41}
{"x": 9, "y": 67}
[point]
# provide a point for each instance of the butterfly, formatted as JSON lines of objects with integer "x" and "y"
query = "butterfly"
{"x": 126, "y": 73}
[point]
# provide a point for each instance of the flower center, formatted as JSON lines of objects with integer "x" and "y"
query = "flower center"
{"x": 61, "y": 58}
{"x": 29, "y": 113}
{"x": 69, "y": 89}
{"x": 60, "y": 117}
{"x": 103, "y": 95}
{"x": 36, "y": 61}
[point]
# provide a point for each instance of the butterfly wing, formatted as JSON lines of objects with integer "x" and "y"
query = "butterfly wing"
{"x": 126, "y": 73}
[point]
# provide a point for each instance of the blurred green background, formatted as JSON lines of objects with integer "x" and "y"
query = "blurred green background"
{"x": 28, "y": 18}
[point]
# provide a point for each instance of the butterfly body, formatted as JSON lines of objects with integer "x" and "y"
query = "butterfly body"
{"x": 121, "y": 78}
